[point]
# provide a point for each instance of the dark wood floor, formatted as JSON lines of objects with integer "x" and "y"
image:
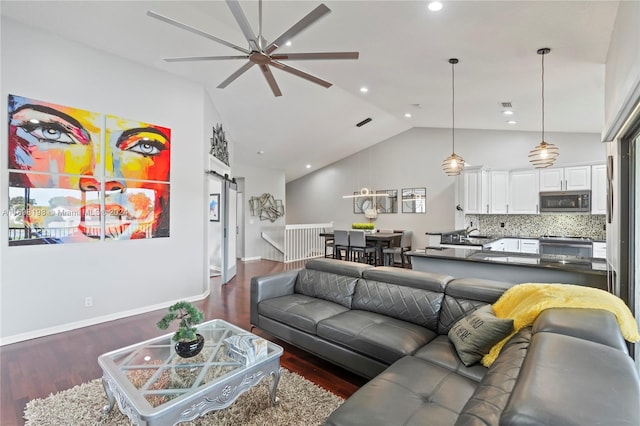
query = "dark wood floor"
{"x": 39, "y": 367}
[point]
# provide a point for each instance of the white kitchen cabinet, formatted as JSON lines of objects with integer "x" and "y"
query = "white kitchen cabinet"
{"x": 565, "y": 178}
{"x": 512, "y": 245}
{"x": 599, "y": 189}
{"x": 476, "y": 190}
{"x": 529, "y": 246}
{"x": 599, "y": 250}
{"x": 524, "y": 192}
{"x": 499, "y": 192}
{"x": 495, "y": 246}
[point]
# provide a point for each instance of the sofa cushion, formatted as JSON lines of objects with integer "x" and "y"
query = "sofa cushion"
{"x": 409, "y": 392}
{"x": 487, "y": 291}
{"x": 492, "y": 394}
{"x": 299, "y": 311}
{"x": 408, "y": 278}
{"x": 410, "y": 304}
{"x": 378, "y": 336}
{"x": 475, "y": 334}
{"x": 567, "y": 380}
{"x": 326, "y": 285}
{"x": 440, "y": 351}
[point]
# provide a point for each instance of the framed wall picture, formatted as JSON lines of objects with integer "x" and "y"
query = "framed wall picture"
{"x": 388, "y": 204}
{"x": 414, "y": 200}
{"x": 214, "y": 207}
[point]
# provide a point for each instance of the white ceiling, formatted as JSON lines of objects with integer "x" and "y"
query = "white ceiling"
{"x": 404, "y": 51}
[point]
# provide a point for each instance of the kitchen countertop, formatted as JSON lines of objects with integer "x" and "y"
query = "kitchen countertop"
{"x": 566, "y": 263}
{"x": 481, "y": 240}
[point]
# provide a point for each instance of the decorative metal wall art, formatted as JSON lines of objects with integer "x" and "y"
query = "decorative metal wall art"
{"x": 219, "y": 145}
{"x": 266, "y": 207}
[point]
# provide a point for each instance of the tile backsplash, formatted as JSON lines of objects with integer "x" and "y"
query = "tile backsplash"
{"x": 574, "y": 225}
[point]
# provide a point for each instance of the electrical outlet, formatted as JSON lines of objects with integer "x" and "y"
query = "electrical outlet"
{"x": 88, "y": 302}
{"x": 501, "y": 224}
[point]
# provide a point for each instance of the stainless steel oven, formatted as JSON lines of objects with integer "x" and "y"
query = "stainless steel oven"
{"x": 566, "y": 246}
{"x": 565, "y": 201}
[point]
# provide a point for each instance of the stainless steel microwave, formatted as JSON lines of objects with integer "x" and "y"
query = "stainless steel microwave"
{"x": 565, "y": 201}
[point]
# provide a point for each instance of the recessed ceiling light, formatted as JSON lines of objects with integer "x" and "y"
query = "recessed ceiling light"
{"x": 288, "y": 43}
{"x": 507, "y": 112}
{"x": 260, "y": 152}
{"x": 308, "y": 166}
{"x": 512, "y": 122}
{"x": 435, "y": 6}
{"x": 364, "y": 89}
{"x": 407, "y": 115}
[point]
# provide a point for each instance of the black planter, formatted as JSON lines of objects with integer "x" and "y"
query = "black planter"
{"x": 190, "y": 349}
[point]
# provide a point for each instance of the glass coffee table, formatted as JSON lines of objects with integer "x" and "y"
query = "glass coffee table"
{"x": 154, "y": 386}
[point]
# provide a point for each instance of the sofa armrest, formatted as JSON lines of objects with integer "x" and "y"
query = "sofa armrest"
{"x": 270, "y": 286}
{"x": 565, "y": 380}
{"x": 596, "y": 325}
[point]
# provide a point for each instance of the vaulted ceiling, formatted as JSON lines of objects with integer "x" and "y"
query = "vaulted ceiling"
{"x": 404, "y": 51}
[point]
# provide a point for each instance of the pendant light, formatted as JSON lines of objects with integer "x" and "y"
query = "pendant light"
{"x": 544, "y": 154}
{"x": 453, "y": 164}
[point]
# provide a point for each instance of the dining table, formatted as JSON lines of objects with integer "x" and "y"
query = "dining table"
{"x": 381, "y": 240}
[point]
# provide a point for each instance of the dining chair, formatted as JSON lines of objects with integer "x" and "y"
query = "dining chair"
{"x": 329, "y": 243}
{"x": 360, "y": 250}
{"x": 389, "y": 253}
{"x": 340, "y": 243}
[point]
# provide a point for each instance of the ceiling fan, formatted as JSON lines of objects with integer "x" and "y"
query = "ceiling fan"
{"x": 259, "y": 52}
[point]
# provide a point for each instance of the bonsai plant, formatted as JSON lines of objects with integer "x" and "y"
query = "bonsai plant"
{"x": 189, "y": 343}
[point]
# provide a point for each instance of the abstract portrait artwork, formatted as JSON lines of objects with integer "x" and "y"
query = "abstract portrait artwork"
{"x": 81, "y": 176}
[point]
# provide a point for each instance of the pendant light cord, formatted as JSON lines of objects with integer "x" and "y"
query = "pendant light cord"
{"x": 543, "y": 97}
{"x": 453, "y": 108}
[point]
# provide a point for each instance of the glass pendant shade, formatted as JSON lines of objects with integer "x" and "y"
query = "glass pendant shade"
{"x": 453, "y": 164}
{"x": 544, "y": 154}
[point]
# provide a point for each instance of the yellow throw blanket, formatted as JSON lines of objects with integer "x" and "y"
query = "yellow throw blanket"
{"x": 523, "y": 303}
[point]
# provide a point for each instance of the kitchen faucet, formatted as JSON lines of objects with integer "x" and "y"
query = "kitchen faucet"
{"x": 468, "y": 231}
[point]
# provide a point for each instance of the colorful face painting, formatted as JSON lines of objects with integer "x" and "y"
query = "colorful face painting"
{"x": 69, "y": 182}
{"x": 54, "y": 145}
{"x": 138, "y": 159}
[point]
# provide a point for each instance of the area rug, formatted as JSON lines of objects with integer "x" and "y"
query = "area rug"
{"x": 301, "y": 402}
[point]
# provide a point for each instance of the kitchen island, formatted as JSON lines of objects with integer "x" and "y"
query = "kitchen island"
{"x": 511, "y": 267}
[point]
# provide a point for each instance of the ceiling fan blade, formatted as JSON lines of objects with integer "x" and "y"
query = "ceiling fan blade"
{"x": 235, "y": 75}
{"x": 195, "y": 31}
{"x": 301, "y": 25}
{"x": 299, "y": 73}
{"x": 271, "y": 80}
{"x": 205, "y": 58}
{"x": 243, "y": 23}
{"x": 319, "y": 55}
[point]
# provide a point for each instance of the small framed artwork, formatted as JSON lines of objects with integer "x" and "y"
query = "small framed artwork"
{"x": 214, "y": 207}
{"x": 414, "y": 200}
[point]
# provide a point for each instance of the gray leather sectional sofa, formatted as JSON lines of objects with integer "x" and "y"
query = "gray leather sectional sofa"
{"x": 390, "y": 324}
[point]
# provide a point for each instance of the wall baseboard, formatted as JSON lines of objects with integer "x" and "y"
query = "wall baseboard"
{"x": 249, "y": 259}
{"x": 93, "y": 321}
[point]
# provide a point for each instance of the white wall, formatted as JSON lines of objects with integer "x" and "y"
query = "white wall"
{"x": 258, "y": 181}
{"x": 43, "y": 287}
{"x": 413, "y": 159}
{"x": 622, "y": 72}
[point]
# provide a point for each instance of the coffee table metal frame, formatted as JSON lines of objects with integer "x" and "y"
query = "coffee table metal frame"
{"x": 227, "y": 380}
